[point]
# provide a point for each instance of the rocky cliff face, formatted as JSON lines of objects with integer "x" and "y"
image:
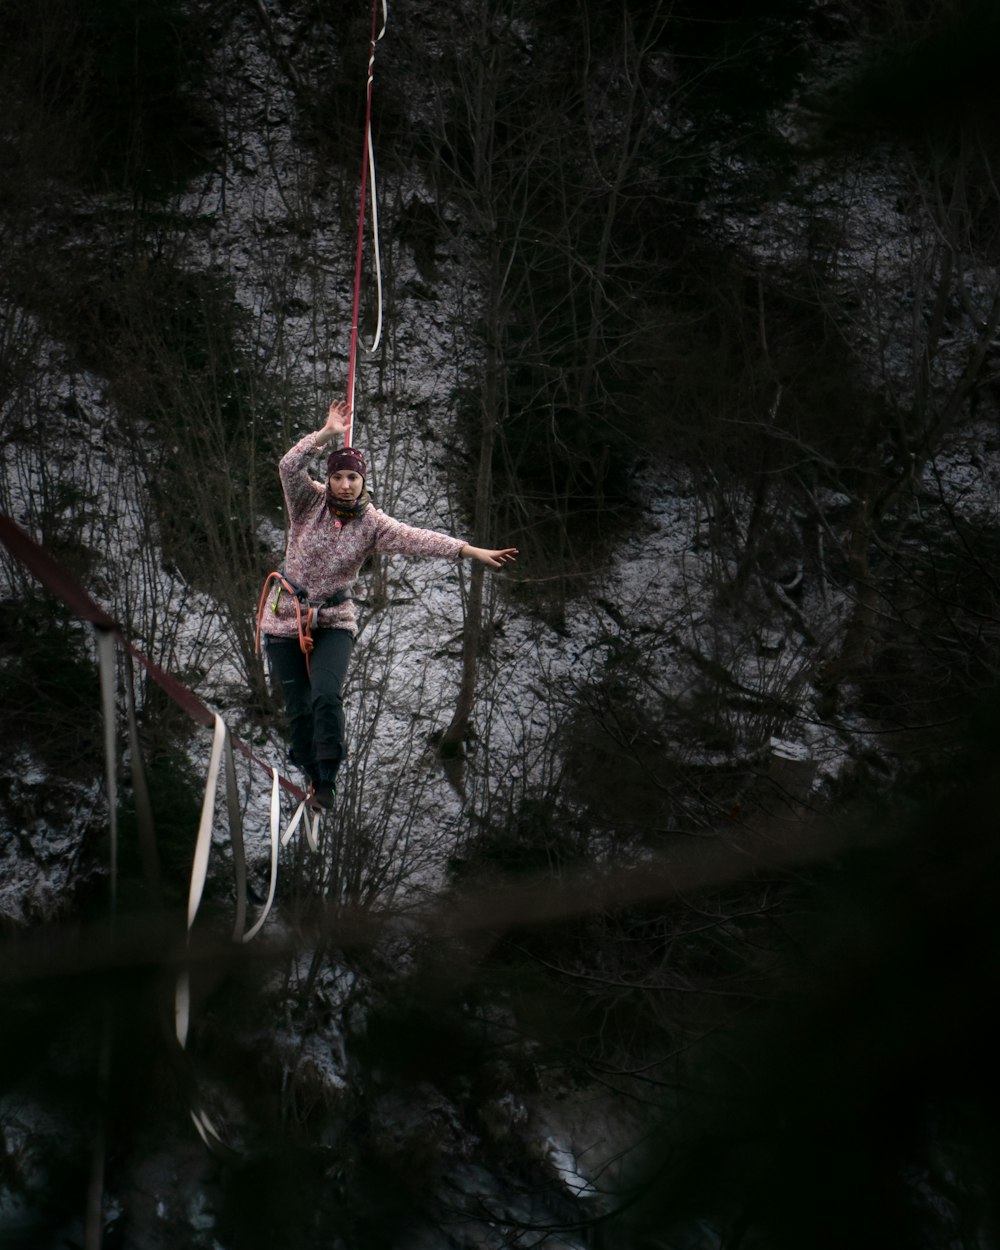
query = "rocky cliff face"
{"x": 699, "y": 314}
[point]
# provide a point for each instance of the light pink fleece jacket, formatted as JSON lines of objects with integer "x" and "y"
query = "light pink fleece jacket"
{"x": 325, "y": 555}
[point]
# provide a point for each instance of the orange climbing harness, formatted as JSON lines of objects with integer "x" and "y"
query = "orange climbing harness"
{"x": 306, "y": 609}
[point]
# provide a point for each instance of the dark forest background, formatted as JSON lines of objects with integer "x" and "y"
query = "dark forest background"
{"x": 746, "y": 251}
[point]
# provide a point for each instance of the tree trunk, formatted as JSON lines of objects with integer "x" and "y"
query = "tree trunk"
{"x": 452, "y": 744}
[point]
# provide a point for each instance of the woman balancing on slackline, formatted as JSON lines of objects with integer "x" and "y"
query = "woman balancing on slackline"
{"x": 334, "y": 528}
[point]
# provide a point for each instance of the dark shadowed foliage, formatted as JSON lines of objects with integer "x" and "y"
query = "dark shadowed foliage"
{"x": 860, "y": 1105}
{"x": 48, "y": 688}
{"x": 116, "y": 84}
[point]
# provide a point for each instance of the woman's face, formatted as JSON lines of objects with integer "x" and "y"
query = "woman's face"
{"x": 345, "y": 485}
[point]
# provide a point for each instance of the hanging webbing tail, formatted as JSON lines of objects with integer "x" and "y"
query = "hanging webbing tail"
{"x": 108, "y": 635}
{"x": 275, "y": 826}
{"x": 367, "y": 166}
{"x": 106, "y": 661}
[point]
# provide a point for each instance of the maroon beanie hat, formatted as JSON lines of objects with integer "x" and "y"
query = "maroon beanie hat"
{"x": 346, "y": 458}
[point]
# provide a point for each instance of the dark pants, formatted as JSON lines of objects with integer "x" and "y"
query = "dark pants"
{"x": 315, "y": 708}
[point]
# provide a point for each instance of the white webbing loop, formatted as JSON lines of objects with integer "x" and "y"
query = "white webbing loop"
{"x": 293, "y": 824}
{"x": 376, "y": 250}
{"x": 222, "y": 747}
{"x": 236, "y": 842}
{"x": 140, "y": 791}
{"x": 203, "y": 843}
{"x": 311, "y": 825}
{"x": 182, "y": 1006}
{"x": 95, "y": 1190}
{"x": 275, "y": 824}
{"x": 376, "y": 253}
{"x": 106, "y": 660}
{"x": 199, "y": 873}
{"x": 206, "y": 1129}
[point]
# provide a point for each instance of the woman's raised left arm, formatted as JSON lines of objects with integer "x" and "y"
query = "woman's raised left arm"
{"x": 335, "y": 424}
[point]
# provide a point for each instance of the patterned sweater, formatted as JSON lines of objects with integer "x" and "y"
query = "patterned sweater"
{"x": 325, "y": 555}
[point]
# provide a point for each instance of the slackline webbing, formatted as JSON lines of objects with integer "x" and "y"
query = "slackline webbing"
{"x": 64, "y": 586}
{"x": 107, "y": 632}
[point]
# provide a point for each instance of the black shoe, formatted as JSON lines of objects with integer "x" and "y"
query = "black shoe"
{"x": 327, "y": 772}
{"x": 321, "y": 797}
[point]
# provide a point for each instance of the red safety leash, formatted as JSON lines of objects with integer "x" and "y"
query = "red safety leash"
{"x": 367, "y": 159}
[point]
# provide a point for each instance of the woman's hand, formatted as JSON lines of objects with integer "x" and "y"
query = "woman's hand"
{"x": 495, "y": 559}
{"x": 337, "y": 420}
